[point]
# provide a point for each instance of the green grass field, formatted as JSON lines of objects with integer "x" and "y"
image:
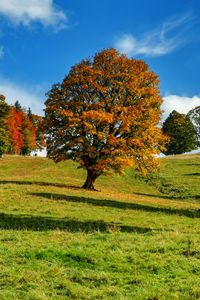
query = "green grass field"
{"x": 125, "y": 241}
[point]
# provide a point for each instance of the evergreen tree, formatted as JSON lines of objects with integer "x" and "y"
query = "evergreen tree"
{"x": 181, "y": 133}
{"x": 29, "y": 113}
{"x": 18, "y": 106}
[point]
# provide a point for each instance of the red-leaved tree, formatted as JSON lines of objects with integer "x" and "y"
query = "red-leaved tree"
{"x": 14, "y": 124}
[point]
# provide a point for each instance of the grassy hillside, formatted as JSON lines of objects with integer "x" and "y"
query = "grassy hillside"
{"x": 126, "y": 241}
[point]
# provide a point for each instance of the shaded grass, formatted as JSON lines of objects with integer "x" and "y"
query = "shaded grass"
{"x": 40, "y": 223}
{"x": 40, "y": 183}
{"x": 195, "y": 213}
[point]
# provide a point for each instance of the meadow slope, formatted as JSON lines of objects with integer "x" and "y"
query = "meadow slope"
{"x": 125, "y": 241}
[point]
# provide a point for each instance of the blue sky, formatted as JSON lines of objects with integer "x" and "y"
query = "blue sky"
{"x": 41, "y": 39}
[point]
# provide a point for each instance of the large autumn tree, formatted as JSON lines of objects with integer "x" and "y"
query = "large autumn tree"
{"x": 181, "y": 132}
{"x": 104, "y": 115}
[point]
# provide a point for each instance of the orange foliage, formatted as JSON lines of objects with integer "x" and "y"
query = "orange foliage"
{"x": 104, "y": 115}
{"x": 22, "y": 132}
{"x": 14, "y": 125}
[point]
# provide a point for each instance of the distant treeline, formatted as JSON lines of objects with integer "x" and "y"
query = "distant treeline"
{"x": 20, "y": 130}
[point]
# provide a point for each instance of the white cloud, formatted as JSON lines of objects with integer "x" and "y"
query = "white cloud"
{"x": 179, "y": 103}
{"x": 161, "y": 41}
{"x": 28, "y": 11}
{"x": 27, "y": 96}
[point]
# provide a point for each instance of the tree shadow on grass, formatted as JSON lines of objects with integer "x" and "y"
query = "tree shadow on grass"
{"x": 196, "y": 197}
{"x": 40, "y": 183}
{"x": 154, "y": 196}
{"x": 192, "y": 164}
{"x": 192, "y": 174}
{"x": 40, "y": 223}
{"x": 120, "y": 205}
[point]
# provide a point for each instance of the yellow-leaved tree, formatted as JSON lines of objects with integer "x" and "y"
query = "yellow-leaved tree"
{"x": 104, "y": 115}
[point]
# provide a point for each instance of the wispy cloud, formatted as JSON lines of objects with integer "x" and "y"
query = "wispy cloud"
{"x": 160, "y": 41}
{"x": 1, "y": 52}
{"x": 181, "y": 104}
{"x": 28, "y": 96}
{"x": 26, "y": 12}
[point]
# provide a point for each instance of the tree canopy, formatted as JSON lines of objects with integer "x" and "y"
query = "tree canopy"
{"x": 4, "y": 108}
{"x": 194, "y": 115}
{"x": 104, "y": 115}
{"x": 4, "y": 137}
{"x": 181, "y": 133}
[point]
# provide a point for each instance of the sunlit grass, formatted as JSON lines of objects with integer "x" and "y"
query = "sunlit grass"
{"x": 126, "y": 241}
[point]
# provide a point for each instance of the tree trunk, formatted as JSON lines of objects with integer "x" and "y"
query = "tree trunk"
{"x": 89, "y": 183}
